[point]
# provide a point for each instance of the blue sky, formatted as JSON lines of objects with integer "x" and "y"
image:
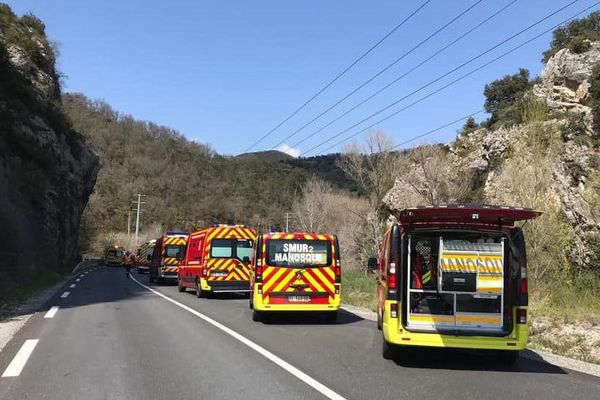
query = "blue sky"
{"x": 226, "y": 72}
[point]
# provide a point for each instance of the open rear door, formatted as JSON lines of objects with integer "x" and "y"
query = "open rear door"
{"x": 496, "y": 215}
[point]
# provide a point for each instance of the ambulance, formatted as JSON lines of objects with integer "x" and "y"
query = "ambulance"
{"x": 454, "y": 276}
{"x": 144, "y": 257}
{"x": 217, "y": 260}
{"x": 168, "y": 251}
{"x": 296, "y": 272}
{"x": 113, "y": 255}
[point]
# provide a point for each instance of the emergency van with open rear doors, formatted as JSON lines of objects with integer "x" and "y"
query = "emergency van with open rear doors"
{"x": 296, "y": 272}
{"x": 454, "y": 276}
{"x": 144, "y": 256}
{"x": 217, "y": 260}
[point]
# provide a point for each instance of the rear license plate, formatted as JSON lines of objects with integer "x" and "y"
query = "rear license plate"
{"x": 218, "y": 273}
{"x": 299, "y": 299}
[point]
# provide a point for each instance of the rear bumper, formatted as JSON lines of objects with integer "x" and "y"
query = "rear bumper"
{"x": 260, "y": 305}
{"x": 225, "y": 286}
{"x": 394, "y": 333}
{"x": 168, "y": 273}
{"x": 143, "y": 268}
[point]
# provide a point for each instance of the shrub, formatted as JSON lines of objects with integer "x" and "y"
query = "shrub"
{"x": 575, "y": 35}
{"x": 502, "y": 97}
{"x": 532, "y": 109}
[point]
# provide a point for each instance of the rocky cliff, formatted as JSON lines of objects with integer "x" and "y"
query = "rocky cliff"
{"x": 47, "y": 172}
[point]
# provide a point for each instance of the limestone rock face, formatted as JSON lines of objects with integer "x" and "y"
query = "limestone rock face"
{"x": 47, "y": 171}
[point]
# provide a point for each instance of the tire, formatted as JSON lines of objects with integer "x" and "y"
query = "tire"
{"x": 256, "y": 316}
{"x": 180, "y": 287}
{"x": 199, "y": 292}
{"x": 331, "y": 317}
{"x": 388, "y": 350}
{"x": 379, "y": 319}
{"x": 507, "y": 358}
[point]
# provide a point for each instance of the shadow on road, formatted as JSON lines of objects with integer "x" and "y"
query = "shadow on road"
{"x": 468, "y": 360}
{"x": 101, "y": 284}
{"x": 308, "y": 318}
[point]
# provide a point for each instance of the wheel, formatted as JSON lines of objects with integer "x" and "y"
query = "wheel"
{"x": 508, "y": 358}
{"x": 180, "y": 287}
{"x": 388, "y": 350}
{"x": 379, "y": 319}
{"x": 331, "y": 317}
{"x": 199, "y": 292}
{"x": 256, "y": 316}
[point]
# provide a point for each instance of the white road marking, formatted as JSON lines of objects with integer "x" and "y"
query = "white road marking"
{"x": 65, "y": 295}
{"x": 51, "y": 312}
{"x": 18, "y": 363}
{"x": 72, "y": 285}
{"x": 81, "y": 276}
{"x": 318, "y": 386}
{"x": 77, "y": 280}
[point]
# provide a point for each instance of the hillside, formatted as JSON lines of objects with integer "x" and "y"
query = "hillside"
{"x": 267, "y": 155}
{"x": 186, "y": 184}
{"x": 47, "y": 172}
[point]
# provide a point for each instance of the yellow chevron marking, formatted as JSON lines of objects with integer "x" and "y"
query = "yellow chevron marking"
{"x": 487, "y": 320}
{"x": 275, "y": 277}
{"x": 430, "y": 318}
{"x": 290, "y": 236}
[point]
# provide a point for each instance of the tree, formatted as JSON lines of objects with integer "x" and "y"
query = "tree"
{"x": 427, "y": 175}
{"x": 575, "y": 35}
{"x": 312, "y": 207}
{"x": 371, "y": 165}
{"x": 470, "y": 125}
{"x": 502, "y": 96}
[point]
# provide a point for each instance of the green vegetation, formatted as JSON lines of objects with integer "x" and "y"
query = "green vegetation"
{"x": 595, "y": 96}
{"x": 575, "y": 36}
{"x": 359, "y": 289}
{"x": 503, "y": 96}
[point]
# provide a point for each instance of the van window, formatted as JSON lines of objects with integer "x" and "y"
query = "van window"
{"x": 231, "y": 248}
{"x": 299, "y": 253}
{"x": 174, "y": 251}
{"x": 115, "y": 253}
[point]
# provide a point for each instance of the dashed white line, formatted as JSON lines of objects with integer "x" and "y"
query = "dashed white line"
{"x": 77, "y": 280}
{"x": 51, "y": 312}
{"x": 318, "y": 386}
{"x": 65, "y": 295}
{"x": 72, "y": 285}
{"x": 81, "y": 276}
{"x": 18, "y": 363}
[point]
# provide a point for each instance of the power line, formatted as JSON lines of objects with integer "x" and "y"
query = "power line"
{"x": 340, "y": 74}
{"x": 462, "y": 77}
{"x": 404, "y": 75}
{"x": 451, "y": 71}
{"x": 396, "y": 61}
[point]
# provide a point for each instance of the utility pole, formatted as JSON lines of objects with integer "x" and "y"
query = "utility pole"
{"x": 137, "y": 214}
{"x": 287, "y": 221}
{"x": 129, "y": 221}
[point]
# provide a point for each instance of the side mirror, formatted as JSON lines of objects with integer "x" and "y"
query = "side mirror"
{"x": 372, "y": 264}
{"x": 246, "y": 260}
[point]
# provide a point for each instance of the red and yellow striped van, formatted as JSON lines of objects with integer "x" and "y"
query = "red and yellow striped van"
{"x": 296, "y": 272}
{"x": 217, "y": 260}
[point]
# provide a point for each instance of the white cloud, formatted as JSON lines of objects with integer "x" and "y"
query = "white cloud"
{"x": 284, "y": 148}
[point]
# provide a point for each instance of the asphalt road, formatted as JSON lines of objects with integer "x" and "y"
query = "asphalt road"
{"x": 112, "y": 338}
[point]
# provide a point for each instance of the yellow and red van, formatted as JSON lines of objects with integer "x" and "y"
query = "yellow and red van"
{"x": 168, "y": 252}
{"x": 296, "y": 272}
{"x": 217, "y": 260}
{"x": 113, "y": 255}
{"x": 454, "y": 276}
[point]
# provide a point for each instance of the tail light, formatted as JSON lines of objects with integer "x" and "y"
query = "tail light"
{"x": 258, "y": 271}
{"x": 521, "y": 316}
{"x": 394, "y": 310}
{"x": 204, "y": 269}
{"x": 523, "y": 289}
{"x": 392, "y": 277}
{"x": 338, "y": 272}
